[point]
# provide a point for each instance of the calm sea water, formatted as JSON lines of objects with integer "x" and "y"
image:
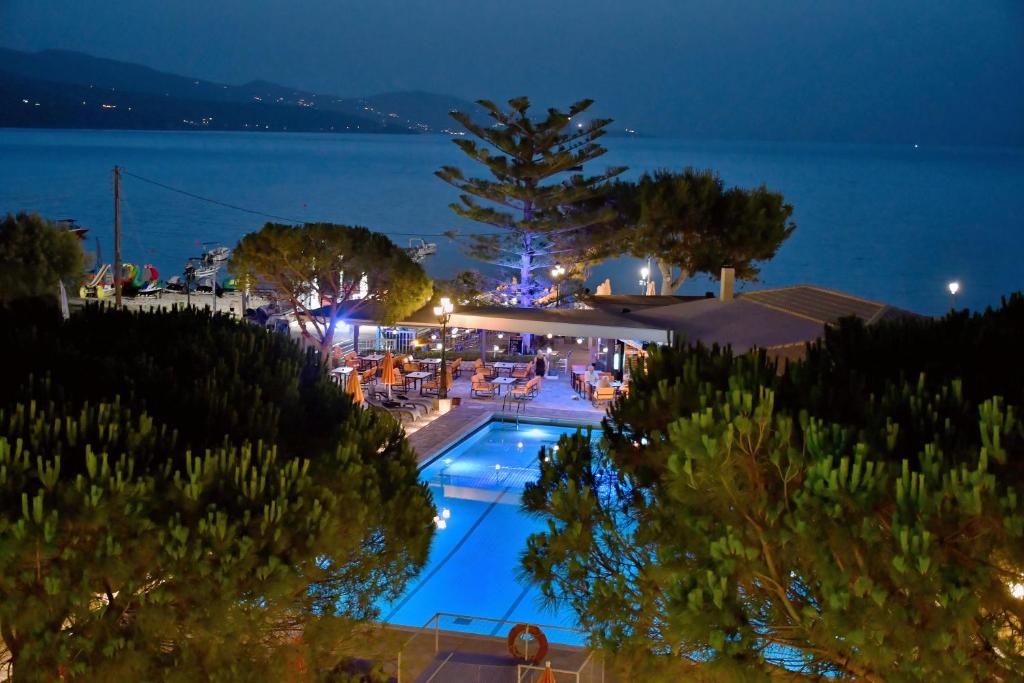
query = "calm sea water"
{"x": 888, "y": 223}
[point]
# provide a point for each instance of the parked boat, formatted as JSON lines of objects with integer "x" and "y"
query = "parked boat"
{"x": 419, "y": 250}
{"x": 216, "y": 254}
{"x": 176, "y": 283}
{"x": 150, "y": 288}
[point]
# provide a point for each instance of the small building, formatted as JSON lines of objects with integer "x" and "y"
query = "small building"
{"x": 780, "y": 320}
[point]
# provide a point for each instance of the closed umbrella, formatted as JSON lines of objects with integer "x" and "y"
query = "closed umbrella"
{"x": 63, "y": 300}
{"x": 387, "y": 373}
{"x": 353, "y": 387}
{"x": 548, "y": 676}
{"x": 650, "y": 288}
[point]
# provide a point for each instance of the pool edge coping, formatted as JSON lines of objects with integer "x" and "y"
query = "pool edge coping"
{"x": 425, "y": 456}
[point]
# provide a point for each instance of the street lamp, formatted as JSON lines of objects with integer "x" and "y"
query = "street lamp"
{"x": 953, "y": 288}
{"x": 645, "y": 277}
{"x": 444, "y": 316}
{"x": 556, "y": 274}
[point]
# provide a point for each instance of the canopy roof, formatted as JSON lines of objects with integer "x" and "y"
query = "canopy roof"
{"x": 765, "y": 318}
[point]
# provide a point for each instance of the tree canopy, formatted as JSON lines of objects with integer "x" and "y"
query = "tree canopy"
{"x": 183, "y": 497}
{"x": 536, "y": 198}
{"x": 34, "y": 256}
{"x": 690, "y": 223}
{"x": 325, "y": 271}
{"x": 857, "y": 515}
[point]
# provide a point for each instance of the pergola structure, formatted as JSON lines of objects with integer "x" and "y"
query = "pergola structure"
{"x": 772, "y": 319}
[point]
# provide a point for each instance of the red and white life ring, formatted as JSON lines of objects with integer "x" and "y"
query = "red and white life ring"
{"x": 516, "y": 635}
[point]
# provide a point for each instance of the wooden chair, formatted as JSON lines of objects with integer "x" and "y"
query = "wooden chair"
{"x": 486, "y": 370}
{"x": 526, "y": 391}
{"x": 367, "y": 378}
{"x": 456, "y": 367}
{"x": 603, "y": 394}
{"x": 479, "y": 386}
{"x": 521, "y": 371}
{"x": 432, "y": 387}
{"x": 411, "y": 367}
{"x": 577, "y": 377}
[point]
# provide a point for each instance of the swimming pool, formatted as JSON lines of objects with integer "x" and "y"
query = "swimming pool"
{"x": 474, "y": 560}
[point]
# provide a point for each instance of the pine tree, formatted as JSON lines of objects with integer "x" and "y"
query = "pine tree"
{"x": 540, "y": 220}
{"x": 183, "y": 497}
{"x": 690, "y": 223}
{"x": 855, "y": 517}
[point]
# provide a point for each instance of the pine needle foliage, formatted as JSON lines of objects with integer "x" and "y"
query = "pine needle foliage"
{"x": 35, "y": 255}
{"x": 857, "y": 516}
{"x": 183, "y": 497}
{"x": 689, "y": 222}
{"x": 537, "y": 204}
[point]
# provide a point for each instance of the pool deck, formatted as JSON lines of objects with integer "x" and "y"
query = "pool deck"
{"x": 555, "y": 402}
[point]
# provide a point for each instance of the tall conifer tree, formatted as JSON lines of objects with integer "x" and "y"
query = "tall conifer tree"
{"x": 537, "y": 198}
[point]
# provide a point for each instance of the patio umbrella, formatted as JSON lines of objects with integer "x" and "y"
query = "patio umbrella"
{"x": 548, "y": 676}
{"x": 353, "y": 387}
{"x": 651, "y": 291}
{"x": 447, "y": 378}
{"x": 387, "y": 373}
{"x": 63, "y": 300}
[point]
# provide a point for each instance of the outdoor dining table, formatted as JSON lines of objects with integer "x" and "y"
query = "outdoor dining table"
{"x": 337, "y": 374}
{"x": 504, "y": 366}
{"x": 503, "y": 382}
{"x": 418, "y": 376}
{"x": 432, "y": 363}
{"x": 593, "y": 385}
{"x": 374, "y": 358}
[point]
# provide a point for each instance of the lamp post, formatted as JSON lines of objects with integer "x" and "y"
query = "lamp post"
{"x": 444, "y": 315}
{"x": 953, "y": 288}
{"x": 556, "y": 274}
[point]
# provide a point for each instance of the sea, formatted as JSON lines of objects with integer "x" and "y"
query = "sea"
{"x": 893, "y": 224}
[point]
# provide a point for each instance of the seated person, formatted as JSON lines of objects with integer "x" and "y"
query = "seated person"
{"x": 590, "y": 375}
{"x": 603, "y": 382}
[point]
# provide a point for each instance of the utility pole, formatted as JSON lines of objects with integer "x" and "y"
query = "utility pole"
{"x": 117, "y": 236}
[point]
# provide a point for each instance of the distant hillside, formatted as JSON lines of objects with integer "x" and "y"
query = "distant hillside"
{"x": 63, "y": 89}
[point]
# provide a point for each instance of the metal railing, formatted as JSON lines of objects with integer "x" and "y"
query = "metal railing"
{"x": 529, "y": 673}
{"x": 419, "y": 654}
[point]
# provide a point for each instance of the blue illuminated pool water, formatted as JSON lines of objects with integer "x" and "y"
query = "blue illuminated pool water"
{"x": 474, "y": 566}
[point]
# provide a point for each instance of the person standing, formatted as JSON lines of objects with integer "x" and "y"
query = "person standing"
{"x": 540, "y": 364}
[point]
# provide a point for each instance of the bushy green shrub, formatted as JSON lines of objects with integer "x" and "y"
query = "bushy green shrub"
{"x": 183, "y": 497}
{"x": 858, "y": 516}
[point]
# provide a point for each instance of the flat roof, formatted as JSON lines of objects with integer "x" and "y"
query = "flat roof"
{"x": 761, "y": 318}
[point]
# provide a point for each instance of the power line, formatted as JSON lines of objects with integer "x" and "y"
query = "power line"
{"x": 256, "y": 212}
{"x": 201, "y": 198}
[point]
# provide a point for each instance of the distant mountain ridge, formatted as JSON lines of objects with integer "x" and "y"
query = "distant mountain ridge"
{"x": 65, "y": 89}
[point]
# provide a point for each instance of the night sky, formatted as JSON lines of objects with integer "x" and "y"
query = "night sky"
{"x": 936, "y": 71}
